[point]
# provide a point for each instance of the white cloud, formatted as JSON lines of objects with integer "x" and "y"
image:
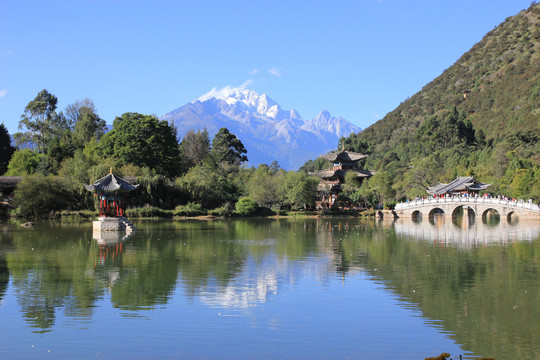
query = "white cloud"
{"x": 6, "y": 54}
{"x": 3, "y": 92}
{"x": 253, "y": 72}
{"x": 275, "y": 71}
{"x": 224, "y": 92}
{"x": 377, "y": 116}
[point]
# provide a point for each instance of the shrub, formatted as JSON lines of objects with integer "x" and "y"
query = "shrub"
{"x": 265, "y": 211}
{"x": 148, "y": 212}
{"x": 390, "y": 205}
{"x": 225, "y": 210}
{"x": 246, "y": 206}
{"x": 38, "y": 196}
{"x": 190, "y": 209}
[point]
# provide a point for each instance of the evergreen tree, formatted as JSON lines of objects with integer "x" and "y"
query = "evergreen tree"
{"x": 226, "y": 147}
{"x": 6, "y": 150}
{"x": 195, "y": 147}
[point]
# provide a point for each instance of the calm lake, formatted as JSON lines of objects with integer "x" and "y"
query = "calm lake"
{"x": 322, "y": 288}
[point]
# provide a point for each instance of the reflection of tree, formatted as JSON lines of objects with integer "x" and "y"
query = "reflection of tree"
{"x": 4, "y": 275}
{"x": 487, "y": 296}
{"x": 212, "y": 255}
{"x": 40, "y": 292}
{"x": 49, "y": 270}
{"x": 240, "y": 263}
{"x": 147, "y": 276}
{"x": 209, "y": 252}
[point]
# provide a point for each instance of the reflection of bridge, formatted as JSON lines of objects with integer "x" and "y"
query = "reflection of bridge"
{"x": 479, "y": 207}
{"x": 467, "y": 233}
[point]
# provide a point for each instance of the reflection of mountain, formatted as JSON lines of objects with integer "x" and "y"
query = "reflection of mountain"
{"x": 485, "y": 296}
{"x": 258, "y": 281}
{"x": 467, "y": 234}
{"x": 248, "y": 288}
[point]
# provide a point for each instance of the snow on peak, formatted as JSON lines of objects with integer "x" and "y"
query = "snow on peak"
{"x": 324, "y": 115}
{"x": 295, "y": 114}
{"x": 222, "y": 93}
{"x": 262, "y": 104}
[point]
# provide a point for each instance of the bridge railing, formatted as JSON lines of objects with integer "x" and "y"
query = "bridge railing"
{"x": 468, "y": 200}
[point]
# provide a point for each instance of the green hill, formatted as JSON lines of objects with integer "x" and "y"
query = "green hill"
{"x": 481, "y": 117}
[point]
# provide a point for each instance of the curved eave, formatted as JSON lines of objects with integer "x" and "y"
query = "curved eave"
{"x": 111, "y": 183}
{"x": 344, "y": 156}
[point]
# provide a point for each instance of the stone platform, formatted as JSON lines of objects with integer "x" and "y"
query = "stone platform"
{"x": 105, "y": 224}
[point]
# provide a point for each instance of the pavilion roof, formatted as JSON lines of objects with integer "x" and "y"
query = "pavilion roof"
{"x": 467, "y": 183}
{"x": 111, "y": 183}
{"x": 9, "y": 181}
{"x": 344, "y": 156}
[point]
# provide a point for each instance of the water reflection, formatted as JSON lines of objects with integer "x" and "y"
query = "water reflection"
{"x": 486, "y": 294}
{"x": 465, "y": 231}
{"x": 486, "y": 297}
{"x": 111, "y": 237}
{"x": 4, "y": 276}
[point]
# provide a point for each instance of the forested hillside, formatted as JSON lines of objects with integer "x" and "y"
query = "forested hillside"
{"x": 480, "y": 117}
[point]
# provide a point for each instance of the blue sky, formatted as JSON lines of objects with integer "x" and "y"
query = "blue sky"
{"x": 357, "y": 59}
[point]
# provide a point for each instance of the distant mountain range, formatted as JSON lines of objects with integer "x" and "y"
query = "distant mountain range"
{"x": 267, "y": 131}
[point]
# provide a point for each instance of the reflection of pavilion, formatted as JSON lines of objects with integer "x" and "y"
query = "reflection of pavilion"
{"x": 466, "y": 233}
{"x": 110, "y": 237}
{"x": 111, "y": 246}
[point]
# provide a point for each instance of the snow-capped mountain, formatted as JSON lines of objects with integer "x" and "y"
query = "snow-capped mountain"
{"x": 267, "y": 131}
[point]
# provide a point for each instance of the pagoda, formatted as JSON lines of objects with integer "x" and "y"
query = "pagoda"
{"x": 331, "y": 179}
{"x": 110, "y": 191}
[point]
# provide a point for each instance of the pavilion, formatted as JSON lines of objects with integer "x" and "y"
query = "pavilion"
{"x": 331, "y": 179}
{"x": 461, "y": 185}
{"x": 110, "y": 191}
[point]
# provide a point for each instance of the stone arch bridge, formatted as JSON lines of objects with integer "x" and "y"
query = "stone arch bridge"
{"x": 477, "y": 207}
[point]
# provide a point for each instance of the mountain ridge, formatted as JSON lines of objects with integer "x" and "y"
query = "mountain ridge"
{"x": 267, "y": 131}
{"x": 481, "y": 116}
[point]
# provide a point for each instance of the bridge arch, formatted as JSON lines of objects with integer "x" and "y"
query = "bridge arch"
{"x": 457, "y": 210}
{"x": 417, "y": 216}
{"x": 463, "y": 215}
{"x": 512, "y": 217}
{"x": 436, "y": 215}
{"x": 491, "y": 215}
{"x": 463, "y": 209}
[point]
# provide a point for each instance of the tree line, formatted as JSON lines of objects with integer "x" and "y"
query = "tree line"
{"x": 444, "y": 146}
{"x": 59, "y": 152}
{"x": 480, "y": 117}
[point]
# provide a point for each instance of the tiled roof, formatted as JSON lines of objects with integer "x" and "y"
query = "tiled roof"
{"x": 9, "y": 181}
{"x": 111, "y": 183}
{"x": 344, "y": 156}
{"x": 459, "y": 184}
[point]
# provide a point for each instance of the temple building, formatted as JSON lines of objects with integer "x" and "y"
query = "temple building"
{"x": 111, "y": 191}
{"x": 461, "y": 185}
{"x": 332, "y": 179}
